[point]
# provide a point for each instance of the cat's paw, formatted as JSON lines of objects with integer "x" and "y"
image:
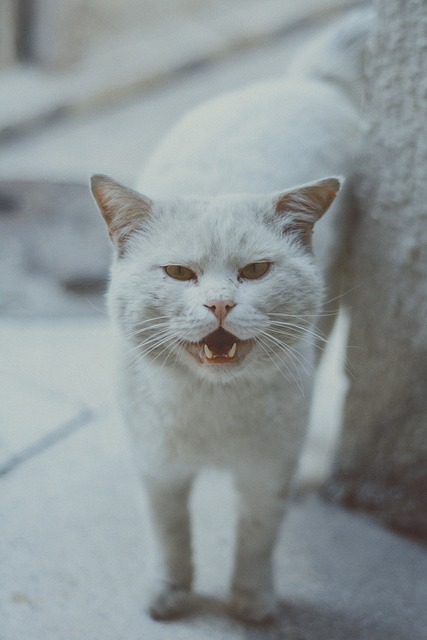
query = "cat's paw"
{"x": 171, "y": 602}
{"x": 254, "y": 606}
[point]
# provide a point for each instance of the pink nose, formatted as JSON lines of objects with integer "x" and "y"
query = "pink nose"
{"x": 220, "y": 308}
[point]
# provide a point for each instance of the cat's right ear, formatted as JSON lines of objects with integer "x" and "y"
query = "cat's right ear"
{"x": 300, "y": 208}
{"x": 123, "y": 209}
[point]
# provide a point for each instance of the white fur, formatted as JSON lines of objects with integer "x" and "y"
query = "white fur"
{"x": 249, "y": 418}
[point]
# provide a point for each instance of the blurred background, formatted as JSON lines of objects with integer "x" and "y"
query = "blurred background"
{"x": 70, "y": 67}
{"x": 90, "y": 87}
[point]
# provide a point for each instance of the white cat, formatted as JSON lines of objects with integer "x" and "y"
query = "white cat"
{"x": 215, "y": 294}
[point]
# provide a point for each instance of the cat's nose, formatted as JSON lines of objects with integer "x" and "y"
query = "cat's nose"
{"x": 220, "y": 308}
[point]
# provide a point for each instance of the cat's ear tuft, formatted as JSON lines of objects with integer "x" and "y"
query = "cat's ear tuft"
{"x": 300, "y": 208}
{"x": 123, "y": 209}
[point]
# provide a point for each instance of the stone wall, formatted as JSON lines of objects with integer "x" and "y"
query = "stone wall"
{"x": 382, "y": 462}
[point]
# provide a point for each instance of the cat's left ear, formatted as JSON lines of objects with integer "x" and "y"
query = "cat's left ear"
{"x": 300, "y": 208}
{"x": 123, "y": 209}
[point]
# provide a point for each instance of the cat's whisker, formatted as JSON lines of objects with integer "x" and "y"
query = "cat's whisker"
{"x": 179, "y": 342}
{"x": 273, "y": 354}
{"x": 155, "y": 341}
{"x": 148, "y": 320}
{"x": 341, "y": 295}
{"x": 321, "y": 314}
{"x": 294, "y": 356}
{"x": 151, "y": 327}
{"x": 302, "y": 325}
{"x": 306, "y": 338}
{"x": 290, "y": 320}
{"x": 164, "y": 329}
{"x": 296, "y": 330}
{"x": 262, "y": 345}
{"x": 168, "y": 346}
{"x": 139, "y": 357}
{"x": 316, "y": 334}
{"x": 173, "y": 349}
{"x": 151, "y": 344}
{"x": 291, "y": 351}
{"x": 166, "y": 339}
{"x": 149, "y": 340}
{"x": 266, "y": 349}
{"x": 140, "y": 331}
{"x": 153, "y": 323}
{"x": 329, "y": 312}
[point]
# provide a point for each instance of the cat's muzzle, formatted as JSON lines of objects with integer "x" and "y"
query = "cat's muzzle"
{"x": 219, "y": 347}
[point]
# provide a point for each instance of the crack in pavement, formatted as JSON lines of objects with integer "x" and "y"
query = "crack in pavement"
{"x": 50, "y": 439}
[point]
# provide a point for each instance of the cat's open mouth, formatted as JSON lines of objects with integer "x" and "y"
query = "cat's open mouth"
{"x": 219, "y": 347}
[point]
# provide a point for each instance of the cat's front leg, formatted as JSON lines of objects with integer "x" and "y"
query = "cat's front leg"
{"x": 168, "y": 501}
{"x": 252, "y": 592}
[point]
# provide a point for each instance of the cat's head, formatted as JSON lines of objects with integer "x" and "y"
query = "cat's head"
{"x": 223, "y": 286}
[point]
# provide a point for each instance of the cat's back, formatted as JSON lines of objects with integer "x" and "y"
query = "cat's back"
{"x": 257, "y": 139}
{"x": 273, "y": 134}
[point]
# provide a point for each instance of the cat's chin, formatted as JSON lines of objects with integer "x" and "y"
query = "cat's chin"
{"x": 219, "y": 348}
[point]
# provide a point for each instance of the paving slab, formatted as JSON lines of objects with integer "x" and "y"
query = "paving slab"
{"x": 54, "y": 378}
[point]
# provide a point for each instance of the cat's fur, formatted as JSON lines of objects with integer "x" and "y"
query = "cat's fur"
{"x": 216, "y": 204}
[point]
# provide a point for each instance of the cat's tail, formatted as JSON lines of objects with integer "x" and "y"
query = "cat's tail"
{"x": 337, "y": 55}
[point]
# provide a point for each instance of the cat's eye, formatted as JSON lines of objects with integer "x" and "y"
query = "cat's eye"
{"x": 179, "y": 272}
{"x": 254, "y": 270}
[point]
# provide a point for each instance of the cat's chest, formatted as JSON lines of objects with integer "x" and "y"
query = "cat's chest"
{"x": 211, "y": 424}
{"x": 184, "y": 405}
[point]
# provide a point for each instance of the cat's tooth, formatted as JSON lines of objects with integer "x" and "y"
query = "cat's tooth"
{"x": 208, "y": 352}
{"x": 232, "y": 351}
